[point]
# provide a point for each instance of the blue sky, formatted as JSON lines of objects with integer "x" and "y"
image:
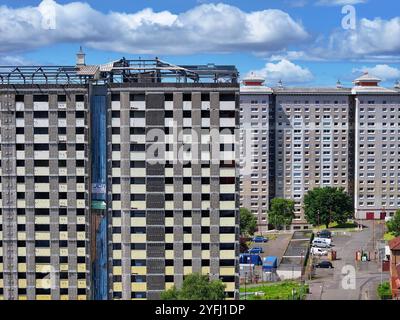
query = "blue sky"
{"x": 301, "y": 42}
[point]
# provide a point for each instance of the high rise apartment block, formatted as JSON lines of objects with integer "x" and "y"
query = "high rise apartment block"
{"x": 117, "y": 180}
{"x": 339, "y": 137}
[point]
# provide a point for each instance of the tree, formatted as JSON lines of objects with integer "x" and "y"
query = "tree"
{"x": 248, "y": 222}
{"x": 394, "y": 224}
{"x": 196, "y": 287}
{"x": 326, "y": 205}
{"x": 281, "y": 212}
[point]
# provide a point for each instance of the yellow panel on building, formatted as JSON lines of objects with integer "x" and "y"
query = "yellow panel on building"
{"x": 21, "y": 236}
{"x": 44, "y": 268}
{"x": 141, "y": 189}
{"x": 117, "y": 271}
{"x": 138, "y": 222}
{"x": 140, "y": 205}
{"x": 138, "y": 254}
{"x": 227, "y": 254}
{"x": 205, "y": 205}
{"x": 230, "y": 286}
{"x": 117, "y": 286}
{"x": 21, "y": 267}
{"x": 116, "y": 237}
{"x": 224, "y": 238}
{"x": 227, "y": 222}
{"x": 21, "y": 283}
{"x": 187, "y": 222}
{"x": 42, "y": 235}
{"x": 169, "y": 205}
{"x": 187, "y": 270}
{"x": 140, "y": 238}
{"x": 227, "y": 205}
{"x": 116, "y": 205}
{"x": 141, "y": 270}
{"x": 42, "y": 252}
{"x": 169, "y": 254}
{"x": 116, "y": 254}
{"x": 81, "y": 267}
{"x": 169, "y": 270}
{"x": 168, "y": 285}
{"x": 139, "y": 286}
{"x": 63, "y": 267}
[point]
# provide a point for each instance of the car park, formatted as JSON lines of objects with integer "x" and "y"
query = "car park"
{"x": 324, "y": 265}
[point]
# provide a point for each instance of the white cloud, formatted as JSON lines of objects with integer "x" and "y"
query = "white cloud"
{"x": 286, "y": 71}
{"x": 383, "y": 71}
{"x": 204, "y": 28}
{"x": 376, "y": 37}
{"x": 339, "y": 2}
{"x": 6, "y": 60}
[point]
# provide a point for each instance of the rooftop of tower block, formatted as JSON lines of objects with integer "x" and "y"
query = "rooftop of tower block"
{"x": 253, "y": 84}
{"x": 119, "y": 71}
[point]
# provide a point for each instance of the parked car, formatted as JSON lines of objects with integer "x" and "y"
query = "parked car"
{"x": 318, "y": 251}
{"x": 324, "y": 265}
{"x": 259, "y": 239}
{"x": 326, "y": 234}
{"x": 320, "y": 243}
{"x": 255, "y": 250}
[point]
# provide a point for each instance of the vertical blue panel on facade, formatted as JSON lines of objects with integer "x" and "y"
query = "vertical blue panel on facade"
{"x": 99, "y": 219}
{"x": 99, "y": 148}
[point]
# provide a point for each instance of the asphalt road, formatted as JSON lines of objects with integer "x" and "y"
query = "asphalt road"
{"x": 336, "y": 284}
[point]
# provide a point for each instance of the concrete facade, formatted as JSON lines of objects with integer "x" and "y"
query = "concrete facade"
{"x": 318, "y": 137}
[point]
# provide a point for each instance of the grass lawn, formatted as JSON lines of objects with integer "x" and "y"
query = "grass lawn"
{"x": 388, "y": 236}
{"x": 276, "y": 291}
{"x": 334, "y": 225}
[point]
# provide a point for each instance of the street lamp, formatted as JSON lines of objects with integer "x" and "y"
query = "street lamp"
{"x": 245, "y": 282}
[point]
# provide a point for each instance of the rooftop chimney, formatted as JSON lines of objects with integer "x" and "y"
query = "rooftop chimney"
{"x": 80, "y": 58}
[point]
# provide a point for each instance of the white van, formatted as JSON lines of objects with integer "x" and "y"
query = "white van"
{"x": 318, "y": 251}
{"x": 327, "y": 240}
{"x": 321, "y": 243}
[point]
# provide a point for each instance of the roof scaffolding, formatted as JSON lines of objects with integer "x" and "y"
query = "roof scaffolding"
{"x": 121, "y": 71}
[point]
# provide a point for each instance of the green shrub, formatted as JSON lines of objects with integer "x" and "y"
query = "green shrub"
{"x": 384, "y": 291}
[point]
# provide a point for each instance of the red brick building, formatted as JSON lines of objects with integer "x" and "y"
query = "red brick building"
{"x": 395, "y": 267}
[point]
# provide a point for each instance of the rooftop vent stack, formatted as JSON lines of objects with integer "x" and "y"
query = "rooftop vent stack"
{"x": 80, "y": 58}
{"x": 339, "y": 85}
{"x": 280, "y": 84}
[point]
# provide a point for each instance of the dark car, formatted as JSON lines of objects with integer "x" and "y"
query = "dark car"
{"x": 324, "y": 265}
{"x": 259, "y": 239}
{"x": 326, "y": 234}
